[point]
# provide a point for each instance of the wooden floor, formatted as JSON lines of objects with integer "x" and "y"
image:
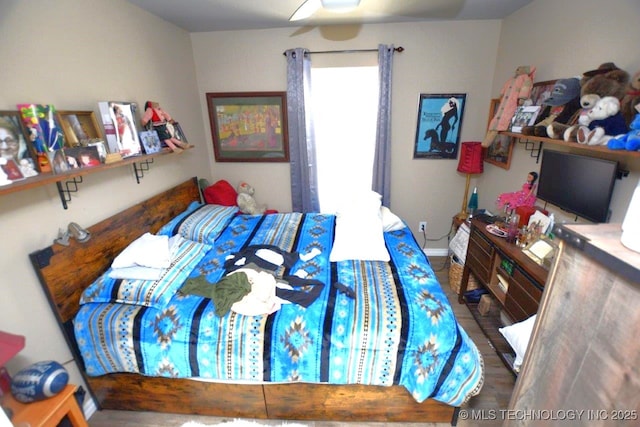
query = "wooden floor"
{"x": 484, "y": 408}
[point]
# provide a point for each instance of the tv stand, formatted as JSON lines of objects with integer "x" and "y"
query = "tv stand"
{"x": 514, "y": 280}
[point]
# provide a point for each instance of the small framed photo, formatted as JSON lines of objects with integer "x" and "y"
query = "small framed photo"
{"x": 178, "y": 133}
{"x": 439, "y": 125}
{"x": 58, "y": 161}
{"x": 541, "y": 91}
{"x": 524, "y": 116}
{"x": 249, "y": 126}
{"x": 82, "y": 157}
{"x": 79, "y": 127}
{"x": 14, "y": 143}
{"x": 150, "y": 141}
{"x": 11, "y": 169}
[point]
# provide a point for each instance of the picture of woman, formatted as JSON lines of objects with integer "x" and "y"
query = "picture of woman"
{"x": 13, "y": 144}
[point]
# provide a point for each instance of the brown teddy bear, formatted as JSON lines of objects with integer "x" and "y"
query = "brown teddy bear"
{"x": 606, "y": 80}
{"x": 631, "y": 99}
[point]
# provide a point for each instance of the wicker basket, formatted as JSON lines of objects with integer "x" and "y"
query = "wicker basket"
{"x": 455, "y": 276}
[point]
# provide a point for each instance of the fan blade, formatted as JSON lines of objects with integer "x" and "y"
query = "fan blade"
{"x": 306, "y": 9}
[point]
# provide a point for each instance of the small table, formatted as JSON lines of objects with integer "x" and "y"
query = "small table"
{"x": 48, "y": 412}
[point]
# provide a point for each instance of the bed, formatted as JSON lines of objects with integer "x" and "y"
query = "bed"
{"x": 377, "y": 341}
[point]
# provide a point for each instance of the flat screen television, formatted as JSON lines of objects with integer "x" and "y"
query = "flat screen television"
{"x": 578, "y": 184}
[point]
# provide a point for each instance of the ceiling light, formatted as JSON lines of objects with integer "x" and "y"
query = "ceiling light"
{"x": 340, "y": 5}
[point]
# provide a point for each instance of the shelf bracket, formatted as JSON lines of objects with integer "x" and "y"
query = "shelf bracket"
{"x": 140, "y": 169}
{"x": 531, "y": 147}
{"x": 70, "y": 186}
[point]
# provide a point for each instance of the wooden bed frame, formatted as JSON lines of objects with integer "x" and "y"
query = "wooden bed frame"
{"x": 64, "y": 272}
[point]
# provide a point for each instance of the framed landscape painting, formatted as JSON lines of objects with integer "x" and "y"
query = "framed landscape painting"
{"x": 249, "y": 126}
{"x": 439, "y": 125}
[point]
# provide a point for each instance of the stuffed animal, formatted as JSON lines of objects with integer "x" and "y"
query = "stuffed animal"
{"x": 246, "y": 202}
{"x": 513, "y": 93}
{"x": 606, "y": 80}
{"x": 605, "y": 122}
{"x": 559, "y": 107}
{"x": 629, "y": 141}
{"x": 631, "y": 99}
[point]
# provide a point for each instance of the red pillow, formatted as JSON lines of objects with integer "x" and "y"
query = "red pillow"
{"x": 220, "y": 193}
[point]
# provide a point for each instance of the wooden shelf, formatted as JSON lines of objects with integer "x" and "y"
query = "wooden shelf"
{"x": 594, "y": 148}
{"x": 140, "y": 165}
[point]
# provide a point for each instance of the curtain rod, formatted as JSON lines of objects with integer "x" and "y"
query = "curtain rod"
{"x": 396, "y": 49}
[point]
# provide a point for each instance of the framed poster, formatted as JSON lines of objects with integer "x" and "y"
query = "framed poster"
{"x": 249, "y": 126}
{"x": 120, "y": 119}
{"x": 439, "y": 125}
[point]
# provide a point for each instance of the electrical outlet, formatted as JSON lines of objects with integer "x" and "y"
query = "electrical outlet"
{"x": 422, "y": 226}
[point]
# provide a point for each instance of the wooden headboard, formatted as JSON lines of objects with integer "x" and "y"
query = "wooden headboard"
{"x": 65, "y": 271}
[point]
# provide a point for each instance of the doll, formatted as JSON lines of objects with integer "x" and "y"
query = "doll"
{"x": 513, "y": 94}
{"x": 163, "y": 124}
{"x": 525, "y": 197}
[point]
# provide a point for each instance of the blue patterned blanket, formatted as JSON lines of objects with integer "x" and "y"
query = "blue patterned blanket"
{"x": 399, "y": 329}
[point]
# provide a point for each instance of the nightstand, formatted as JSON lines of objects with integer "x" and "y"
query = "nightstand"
{"x": 49, "y": 412}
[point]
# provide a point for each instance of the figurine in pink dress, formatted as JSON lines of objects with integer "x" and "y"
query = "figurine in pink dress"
{"x": 525, "y": 197}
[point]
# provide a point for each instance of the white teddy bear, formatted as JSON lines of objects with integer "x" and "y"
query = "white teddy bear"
{"x": 246, "y": 202}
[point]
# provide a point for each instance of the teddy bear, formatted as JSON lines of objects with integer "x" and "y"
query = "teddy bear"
{"x": 629, "y": 141}
{"x": 631, "y": 99}
{"x": 606, "y": 80}
{"x": 605, "y": 122}
{"x": 246, "y": 202}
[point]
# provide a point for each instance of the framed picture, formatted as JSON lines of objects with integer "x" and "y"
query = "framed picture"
{"x": 178, "y": 133}
{"x": 79, "y": 127}
{"x": 249, "y": 126}
{"x": 82, "y": 157}
{"x": 14, "y": 143}
{"x": 524, "y": 116}
{"x": 120, "y": 122}
{"x": 541, "y": 91}
{"x": 42, "y": 126}
{"x": 439, "y": 125}
{"x": 500, "y": 151}
{"x": 150, "y": 141}
{"x": 58, "y": 161}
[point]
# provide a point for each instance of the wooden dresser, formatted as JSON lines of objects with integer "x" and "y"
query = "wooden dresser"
{"x": 584, "y": 353}
{"x": 514, "y": 280}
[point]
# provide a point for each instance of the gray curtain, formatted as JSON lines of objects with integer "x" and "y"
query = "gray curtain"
{"x": 302, "y": 154}
{"x": 382, "y": 159}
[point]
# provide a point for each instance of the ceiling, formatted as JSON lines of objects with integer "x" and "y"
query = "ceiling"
{"x": 222, "y": 15}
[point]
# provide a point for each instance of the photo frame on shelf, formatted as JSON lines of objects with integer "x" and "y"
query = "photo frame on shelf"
{"x": 42, "y": 127}
{"x": 150, "y": 141}
{"x": 82, "y": 157}
{"x": 120, "y": 121}
{"x": 14, "y": 143}
{"x": 439, "y": 125}
{"x": 80, "y": 127}
{"x": 249, "y": 126}
{"x": 11, "y": 169}
{"x": 524, "y": 116}
{"x": 541, "y": 91}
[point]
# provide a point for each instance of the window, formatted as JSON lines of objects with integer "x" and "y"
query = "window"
{"x": 344, "y": 104}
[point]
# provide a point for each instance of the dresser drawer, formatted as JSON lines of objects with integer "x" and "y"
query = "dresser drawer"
{"x": 523, "y": 296}
{"x": 479, "y": 256}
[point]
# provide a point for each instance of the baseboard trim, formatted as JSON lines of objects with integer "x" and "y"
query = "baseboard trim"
{"x": 436, "y": 252}
{"x": 89, "y": 408}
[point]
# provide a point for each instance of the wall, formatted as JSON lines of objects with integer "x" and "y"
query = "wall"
{"x": 439, "y": 57}
{"x": 564, "y": 39}
{"x": 72, "y": 54}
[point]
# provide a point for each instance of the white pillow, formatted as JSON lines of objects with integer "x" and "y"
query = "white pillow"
{"x": 147, "y": 250}
{"x": 359, "y": 233}
{"x": 137, "y": 273}
{"x": 390, "y": 221}
{"x": 518, "y": 335}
